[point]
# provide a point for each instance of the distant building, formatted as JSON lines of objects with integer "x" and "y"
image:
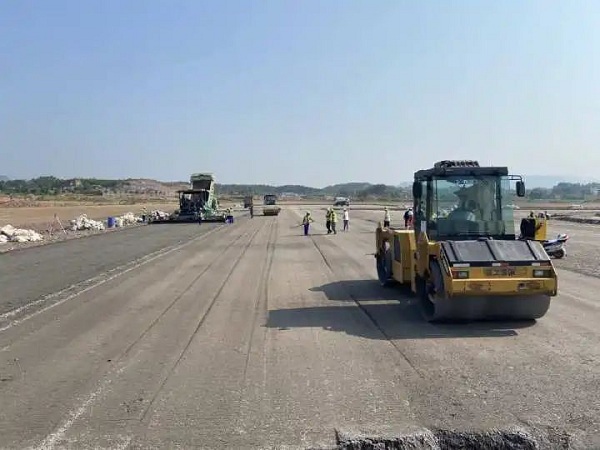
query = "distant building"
{"x": 71, "y": 185}
{"x": 290, "y": 195}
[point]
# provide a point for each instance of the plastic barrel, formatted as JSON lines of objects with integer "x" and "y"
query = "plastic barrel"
{"x": 110, "y": 222}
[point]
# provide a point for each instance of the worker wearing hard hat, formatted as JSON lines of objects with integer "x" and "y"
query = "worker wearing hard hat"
{"x": 386, "y": 218}
{"x": 333, "y": 219}
{"x": 306, "y": 222}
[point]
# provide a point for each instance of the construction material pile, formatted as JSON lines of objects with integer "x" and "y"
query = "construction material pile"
{"x": 159, "y": 215}
{"x": 84, "y": 223}
{"x": 8, "y": 233}
{"x": 127, "y": 219}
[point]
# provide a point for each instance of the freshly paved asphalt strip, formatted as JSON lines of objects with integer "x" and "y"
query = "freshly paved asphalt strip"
{"x": 31, "y": 273}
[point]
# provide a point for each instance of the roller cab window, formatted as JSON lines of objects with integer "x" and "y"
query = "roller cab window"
{"x": 468, "y": 207}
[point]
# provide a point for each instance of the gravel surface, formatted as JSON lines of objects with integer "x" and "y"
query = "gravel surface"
{"x": 254, "y": 336}
{"x": 583, "y": 247}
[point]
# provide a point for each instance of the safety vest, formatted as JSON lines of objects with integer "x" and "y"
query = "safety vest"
{"x": 333, "y": 216}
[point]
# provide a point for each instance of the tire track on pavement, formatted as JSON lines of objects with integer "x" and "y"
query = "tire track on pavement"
{"x": 180, "y": 295}
{"x": 200, "y": 323}
{"x": 57, "y": 436}
{"x": 263, "y": 291}
{"x": 260, "y": 306}
{"x": 369, "y": 316}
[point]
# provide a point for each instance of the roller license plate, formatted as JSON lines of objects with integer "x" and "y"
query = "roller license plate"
{"x": 506, "y": 271}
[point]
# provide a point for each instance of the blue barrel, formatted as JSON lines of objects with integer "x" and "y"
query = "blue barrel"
{"x": 110, "y": 222}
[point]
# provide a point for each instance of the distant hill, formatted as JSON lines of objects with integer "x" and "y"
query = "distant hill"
{"x": 538, "y": 187}
{"x": 346, "y": 189}
{"x": 356, "y": 190}
{"x": 4, "y": 178}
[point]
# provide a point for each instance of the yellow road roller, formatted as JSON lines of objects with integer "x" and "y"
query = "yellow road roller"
{"x": 462, "y": 257}
{"x": 270, "y": 207}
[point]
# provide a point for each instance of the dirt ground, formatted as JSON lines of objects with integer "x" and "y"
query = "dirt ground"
{"x": 40, "y": 217}
{"x": 43, "y": 216}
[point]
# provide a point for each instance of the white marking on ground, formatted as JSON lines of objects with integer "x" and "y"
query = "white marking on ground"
{"x": 53, "y": 438}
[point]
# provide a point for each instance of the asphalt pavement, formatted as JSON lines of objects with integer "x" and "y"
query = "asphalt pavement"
{"x": 31, "y": 273}
{"x": 253, "y": 336}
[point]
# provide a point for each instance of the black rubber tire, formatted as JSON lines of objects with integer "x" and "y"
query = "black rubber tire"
{"x": 433, "y": 302}
{"x": 560, "y": 254}
{"x": 384, "y": 265}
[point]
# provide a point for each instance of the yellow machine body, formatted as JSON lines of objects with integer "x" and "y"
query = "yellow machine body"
{"x": 541, "y": 229}
{"x": 462, "y": 278}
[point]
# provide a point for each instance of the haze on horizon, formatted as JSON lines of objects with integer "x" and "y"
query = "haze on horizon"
{"x": 292, "y": 92}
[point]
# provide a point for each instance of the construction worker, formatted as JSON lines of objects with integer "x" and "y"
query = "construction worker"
{"x": 386, "y": 218}
{"x": 346, "y": 219}
{"x": 251, "y": 211}
{"x": 144, "y": 214}
{"x": 328, "y": 220}
{"x": 333, "y": 218}
{"x": 408, "y": 216}
{"x": 306, "y": 222}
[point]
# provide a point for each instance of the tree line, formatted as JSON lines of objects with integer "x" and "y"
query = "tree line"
{"x": 357, "y": 191}
{"x": 566, "y": 191}
{"x": 49, "y": 185}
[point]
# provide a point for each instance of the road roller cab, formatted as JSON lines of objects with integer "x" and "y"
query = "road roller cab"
{"x": 463, "y": 259}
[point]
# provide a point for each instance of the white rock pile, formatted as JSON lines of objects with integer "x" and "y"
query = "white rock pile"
{"x": 129, "y": 219}
{"x": 84, "y": 223}
{"x": 157, "y": 214}
{"x": 8, "y": 233}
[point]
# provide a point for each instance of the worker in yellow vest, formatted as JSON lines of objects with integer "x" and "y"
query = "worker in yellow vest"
{"x": 333, "y": 219}
{"x": 306, "y": 222}
{"x": 328, "y": 220}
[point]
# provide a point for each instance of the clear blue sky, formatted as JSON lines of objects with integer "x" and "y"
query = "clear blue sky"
{"x": 305, "y": 91}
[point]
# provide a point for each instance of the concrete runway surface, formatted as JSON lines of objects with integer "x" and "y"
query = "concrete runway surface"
{"x": 253, "y": 336}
